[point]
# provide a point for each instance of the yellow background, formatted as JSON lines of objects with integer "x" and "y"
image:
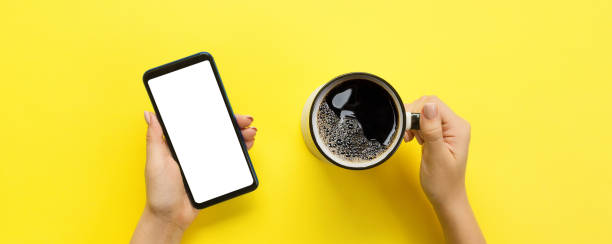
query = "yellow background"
{"x": 533, "y": 78}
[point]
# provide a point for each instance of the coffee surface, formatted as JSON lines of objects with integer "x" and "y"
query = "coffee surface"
{"x": 357, "y": 120}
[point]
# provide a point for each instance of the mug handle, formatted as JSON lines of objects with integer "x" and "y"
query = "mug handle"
{"x": 413, "y": 119}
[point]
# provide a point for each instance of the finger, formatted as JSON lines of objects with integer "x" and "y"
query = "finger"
{"x": 415, "y": 107}
{"x": 418, "y": 136}
{"x": 249, "y": 144}
{"x": 244, "y": 120}
{"x": 249, "y": 133}
{"x": 446, "y": 114}
{"x": 431, "y": 129}
{"x": 408, "y": 106}
{"x": 431, "y": 126}
{"x": 156, "y": 145}
{"x": 408, "y": 136}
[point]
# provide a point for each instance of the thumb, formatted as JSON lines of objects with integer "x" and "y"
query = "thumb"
{"x": 156, "y": 145}
{"x": 431, "y": 129}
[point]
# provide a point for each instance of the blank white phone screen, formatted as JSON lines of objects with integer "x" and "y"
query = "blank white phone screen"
{"x": 195, "y": 116}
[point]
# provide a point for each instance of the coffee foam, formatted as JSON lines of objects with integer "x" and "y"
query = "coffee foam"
{"x": 344, "y": 137}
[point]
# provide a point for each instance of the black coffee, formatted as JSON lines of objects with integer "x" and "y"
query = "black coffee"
{"x": 357, "y": 120}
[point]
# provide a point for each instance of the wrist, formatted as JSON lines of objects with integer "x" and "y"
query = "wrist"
{"x": 452, "y": 200}
{"x": 454, "y": 206}
{"x": 457, "y": 220}
{"x": 158, "y": 229}
{"x": 162, "y": 221}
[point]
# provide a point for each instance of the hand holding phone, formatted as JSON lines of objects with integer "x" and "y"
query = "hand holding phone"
{"x": 212, "y": 148}
{"x": 168, "y": 211}
{"x": 200, "y": 130}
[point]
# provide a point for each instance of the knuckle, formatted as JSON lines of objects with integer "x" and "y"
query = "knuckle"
{"x": 431, "y": 132}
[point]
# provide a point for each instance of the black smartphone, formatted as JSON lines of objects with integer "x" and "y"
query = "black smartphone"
{"x": 200, "y": 129}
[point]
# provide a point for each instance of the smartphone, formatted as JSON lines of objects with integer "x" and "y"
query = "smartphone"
{"x": 200, "y": 129}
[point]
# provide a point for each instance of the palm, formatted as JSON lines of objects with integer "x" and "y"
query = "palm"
{"x": 166, "y": 196}
{"x": 166, "y": 193}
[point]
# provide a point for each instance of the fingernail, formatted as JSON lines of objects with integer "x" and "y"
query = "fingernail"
{"x": 430, "y": 110}
{"x": 250, "y": 117}
{"x": 254, "y": 129}
{"x": 146, "y": 114}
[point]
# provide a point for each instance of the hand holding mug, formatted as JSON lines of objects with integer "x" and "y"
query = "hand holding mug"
{"x": 445, "y": 138}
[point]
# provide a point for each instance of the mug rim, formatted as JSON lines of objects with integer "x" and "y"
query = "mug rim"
{"x": 402, "y": 113}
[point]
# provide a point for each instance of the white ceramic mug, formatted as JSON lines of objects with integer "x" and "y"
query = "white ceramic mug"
{"x": 310, "y": 129}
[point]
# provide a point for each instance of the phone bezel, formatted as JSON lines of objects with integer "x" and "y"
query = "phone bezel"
{"x": 179, "y": 64}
